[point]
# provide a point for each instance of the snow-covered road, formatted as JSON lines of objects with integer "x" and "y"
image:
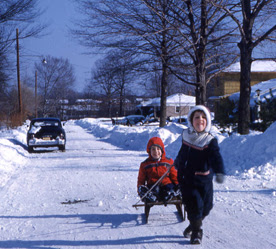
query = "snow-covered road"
{"x": 82, "y": 198}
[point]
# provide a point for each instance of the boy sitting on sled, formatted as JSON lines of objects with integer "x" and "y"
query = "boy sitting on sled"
{"x": 154, "y": 167}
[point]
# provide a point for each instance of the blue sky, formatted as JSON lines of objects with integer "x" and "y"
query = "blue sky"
{"x": 59, "y": 14}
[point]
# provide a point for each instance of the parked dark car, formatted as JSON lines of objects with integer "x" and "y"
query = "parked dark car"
{"x": 46, "y": 132}
{"x": 132, "y": 120}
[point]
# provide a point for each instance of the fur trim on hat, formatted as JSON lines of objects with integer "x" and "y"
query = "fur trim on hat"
{"x": 207, "y": 113}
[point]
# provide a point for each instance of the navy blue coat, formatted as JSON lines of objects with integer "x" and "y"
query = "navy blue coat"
{"x": 196, "y": 166}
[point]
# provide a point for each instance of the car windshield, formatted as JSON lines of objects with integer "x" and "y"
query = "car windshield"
{"x": 46, "y": 123}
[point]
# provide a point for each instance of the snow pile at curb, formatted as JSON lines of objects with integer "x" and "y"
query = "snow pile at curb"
{"x": 131, "y": 138}
{"x": 13, "y": 157}
{"x": 247, "y": 156}
{"x": 252, "y": 156}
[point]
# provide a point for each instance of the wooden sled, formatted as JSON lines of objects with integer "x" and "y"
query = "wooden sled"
{"x": 175, "y": 201}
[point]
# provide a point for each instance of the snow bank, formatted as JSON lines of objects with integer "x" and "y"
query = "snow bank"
{"x": 250, "y": 156}
{"x": 13, "y": 155}
{"x": 131, "y": 138}
{"x": 247, "y": 156}
{"x": 253, "y": 155}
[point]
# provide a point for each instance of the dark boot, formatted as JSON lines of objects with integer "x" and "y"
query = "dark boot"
{"x": 197, "y": 232}
{"x": 188, "y": 232}
{"x": 196, "y": 237}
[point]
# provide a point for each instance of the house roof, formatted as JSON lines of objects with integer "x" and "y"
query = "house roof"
{"x": 172, "y": 100}
{"x": 256, "y": 66}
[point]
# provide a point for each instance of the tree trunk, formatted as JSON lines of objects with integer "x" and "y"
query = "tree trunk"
{"x": 201, "y": 58}
{"x": 246, "y": 48}
{"x": 201, "y": 76}
{"x": 197, "y": 95}
{"x": 164, "y": 79}
{"x": 164, "y": 93}
{"x": 202, "y": 52}
{"x": 121, "y": 103}
{"x": 245, "y": 88}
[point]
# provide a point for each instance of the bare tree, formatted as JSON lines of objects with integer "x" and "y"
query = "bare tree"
{"x": 256, "y": 24}
{"x": 123, "y": 66}
{"x": 15, "y": 14}
{"x": 27, "y": 101}
{"x": 3, "y": 73}
{"x": 55, "y": 80}
{"x": 142, "y": 27}
{"x": 155, "y": 82}
{"x": 3, "y": 93}
{"x": 20, "y": 14}
{"x": 153, "y": 87}
{"x": 103, "y": 80}
{"x": 204, "y": 39}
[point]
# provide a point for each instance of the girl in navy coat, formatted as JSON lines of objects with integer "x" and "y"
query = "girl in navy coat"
{"x": 197, "y": 161}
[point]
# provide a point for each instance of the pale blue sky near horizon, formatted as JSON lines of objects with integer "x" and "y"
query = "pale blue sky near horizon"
{"x": 59, "y": 14}
{"x": 58, "y": 42}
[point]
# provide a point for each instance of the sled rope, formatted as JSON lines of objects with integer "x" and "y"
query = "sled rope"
{"x": 154, "y": 185}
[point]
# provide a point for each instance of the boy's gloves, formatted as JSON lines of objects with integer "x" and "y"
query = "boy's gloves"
{"x": 177, "y": 191}
{"x": 219, "y": 178}
{"x": 142, "y": 190}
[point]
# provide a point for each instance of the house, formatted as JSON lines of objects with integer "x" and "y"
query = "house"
{"x": 228, "y": 81}
{"x": 178, "y": 104}
{"x": 83, "y": 108}
{"x": 259, "y": 93}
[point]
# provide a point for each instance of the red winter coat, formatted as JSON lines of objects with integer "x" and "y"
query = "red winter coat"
{"x": 151, "y": 170}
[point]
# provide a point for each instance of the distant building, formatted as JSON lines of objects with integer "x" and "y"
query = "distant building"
{"x": 228, "y": 82}
{"x": 92, "y": 108}
{"x": 259, "y": 93}
{"x": 265, "y": 90}
{"x": 178, "y": 104}
{"x": 83, "y": 108}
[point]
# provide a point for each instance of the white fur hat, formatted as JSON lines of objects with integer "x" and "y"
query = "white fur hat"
{"x": 207, "y": 113}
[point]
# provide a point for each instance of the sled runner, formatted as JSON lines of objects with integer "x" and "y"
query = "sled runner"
{"x": 175, "y": 201}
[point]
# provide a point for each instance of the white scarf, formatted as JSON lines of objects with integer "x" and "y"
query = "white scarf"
{"x": 194, "y": 138}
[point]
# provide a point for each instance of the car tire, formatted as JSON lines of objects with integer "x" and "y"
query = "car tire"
{"x": 30, "y": 149}
{"x": 62, "y": 148}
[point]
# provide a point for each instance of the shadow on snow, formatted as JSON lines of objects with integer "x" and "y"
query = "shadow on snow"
{"x": 113, "y": 221}
{"x": 158, "y": 239}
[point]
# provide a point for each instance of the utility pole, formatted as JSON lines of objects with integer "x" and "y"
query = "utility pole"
{"x": 18, "y": 79}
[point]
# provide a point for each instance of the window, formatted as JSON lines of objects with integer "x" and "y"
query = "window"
{"x": 177, "y": 109}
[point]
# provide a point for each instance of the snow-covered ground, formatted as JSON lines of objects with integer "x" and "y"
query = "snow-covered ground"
{"x": 83, "y": 198}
